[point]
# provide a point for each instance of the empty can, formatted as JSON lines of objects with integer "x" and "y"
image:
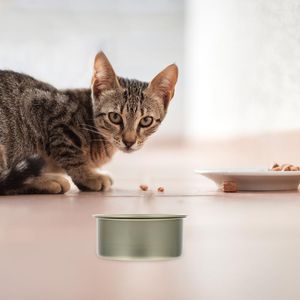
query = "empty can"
{"x": 139, "y": 236}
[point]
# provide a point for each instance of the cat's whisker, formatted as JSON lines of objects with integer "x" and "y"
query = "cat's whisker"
{"x": 94, "y": 131}
{"x": 87, "y": 125}
{"x": 99, "y": 140}
{"x": 106, "y": 143}
{"x": 91, "y": 130}
{"x": 75, "y": 146}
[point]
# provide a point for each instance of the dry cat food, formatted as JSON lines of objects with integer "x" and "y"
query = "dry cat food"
{"x": 229, "y": 187}
{"x": 144, "y": 187}
{"x": 284, "y": 167}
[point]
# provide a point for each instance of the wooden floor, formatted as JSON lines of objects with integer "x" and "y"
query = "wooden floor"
{"x": 236, "y": 246}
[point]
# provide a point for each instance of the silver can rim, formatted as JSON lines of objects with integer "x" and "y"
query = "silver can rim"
{"x": 138, "y": 216}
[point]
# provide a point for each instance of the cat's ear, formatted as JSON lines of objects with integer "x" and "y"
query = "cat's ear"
{"x": 163, "y": 84}
{"x": 104, "y": 77}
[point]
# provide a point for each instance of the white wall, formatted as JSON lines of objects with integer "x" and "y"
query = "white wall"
{"x": 243, "y": 67}
{"x": 56, "y": 40}
{"x": 242, "y": 57}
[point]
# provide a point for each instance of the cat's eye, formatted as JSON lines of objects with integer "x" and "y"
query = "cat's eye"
{"x": 146, "y": 121}
{"x": 115, "y": 118}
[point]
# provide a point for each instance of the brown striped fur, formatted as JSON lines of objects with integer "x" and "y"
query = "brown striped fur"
{"x": 75, "y": 131}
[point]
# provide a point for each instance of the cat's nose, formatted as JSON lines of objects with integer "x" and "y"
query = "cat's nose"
{"x": 128, "y": 144}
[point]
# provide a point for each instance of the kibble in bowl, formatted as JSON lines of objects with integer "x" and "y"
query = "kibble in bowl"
{"x": 284, "y": 167}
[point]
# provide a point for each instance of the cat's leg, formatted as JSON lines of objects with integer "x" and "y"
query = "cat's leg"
{"x": 85, "y": 177}
{"x": 47, "y": 183}
{"x": 69, "y": 155}
{"x": 88, "y": 179}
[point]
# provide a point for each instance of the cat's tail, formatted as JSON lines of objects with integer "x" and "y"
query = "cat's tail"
{"x": 14, "y": 178}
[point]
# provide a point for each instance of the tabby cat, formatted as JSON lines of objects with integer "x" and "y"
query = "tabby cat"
{"x": 46, "y": 132}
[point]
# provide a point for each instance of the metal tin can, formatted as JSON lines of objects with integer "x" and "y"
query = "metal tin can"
{"x": 139, "y": 236}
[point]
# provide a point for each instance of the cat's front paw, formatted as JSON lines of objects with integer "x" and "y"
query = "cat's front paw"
{"x": 96, "y": 182}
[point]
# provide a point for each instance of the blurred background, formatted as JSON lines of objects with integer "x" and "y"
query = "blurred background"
{"x": 238, "y": 91}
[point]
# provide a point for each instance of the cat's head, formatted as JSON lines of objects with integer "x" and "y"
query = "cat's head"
{"x": 127, "y": 111}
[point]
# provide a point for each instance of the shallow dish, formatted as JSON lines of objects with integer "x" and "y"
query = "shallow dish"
{"x": 139, "y": 236}
{"x": 254, "y": 179}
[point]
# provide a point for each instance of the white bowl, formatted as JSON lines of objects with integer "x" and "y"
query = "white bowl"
{"x": 254, "y": 179}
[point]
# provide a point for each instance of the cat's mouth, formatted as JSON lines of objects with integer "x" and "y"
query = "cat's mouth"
{"x": 127, "y": 150}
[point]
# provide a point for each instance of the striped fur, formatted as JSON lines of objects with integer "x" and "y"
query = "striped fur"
{"x": 70, "y": 130}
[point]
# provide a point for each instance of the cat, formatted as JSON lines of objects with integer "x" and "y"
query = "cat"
{"x": 46, "y": 132}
